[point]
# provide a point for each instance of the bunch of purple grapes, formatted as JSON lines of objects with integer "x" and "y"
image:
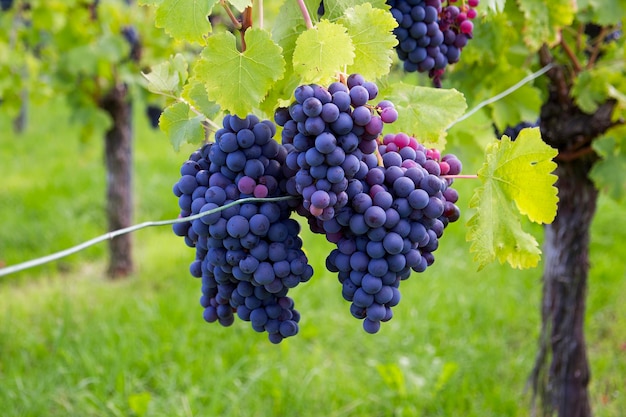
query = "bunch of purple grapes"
{"x": 430, "y": 34}
{"x": 392, "y": 225}
{"x": 384, "y": 202}
{"x": 248, "y": 255}
{"x": 328, "y": 132}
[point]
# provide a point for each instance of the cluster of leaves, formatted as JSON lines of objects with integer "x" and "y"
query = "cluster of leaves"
{"x": 258, "y": 71}
{"x": 75, "y": 49}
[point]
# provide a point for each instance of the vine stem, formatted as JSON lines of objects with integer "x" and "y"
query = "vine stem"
{"x": 571, "y": 55}
{"x": 107, "y": 236}
{"x": 596, "y": 47}
{"x": 305, "y": 14}
{"x": 261, "y": 13}
{"x": 230, "y": 14}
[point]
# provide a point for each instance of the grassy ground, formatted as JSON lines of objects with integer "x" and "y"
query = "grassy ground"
{"x": 461, "y": 343}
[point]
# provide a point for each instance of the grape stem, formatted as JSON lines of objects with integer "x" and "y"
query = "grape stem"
{"x": 570, "y": 54}
{"x": 107, "y": 236}
{"x": 596, "y": 47}
{"x": 452, "y": 177}
{"x": 305, "y": 14}
{"x": 261, "y": 14}
{"x": 230, "y": 14}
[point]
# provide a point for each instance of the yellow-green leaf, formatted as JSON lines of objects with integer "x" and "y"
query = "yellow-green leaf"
{"x": 371, "y": 33}
{"x": 517, "y": 180}
{"x": 426, "y": 112}
{"x": 181, "y": 126}
{"x": 238, "y": 81}
{"x": 167, "y": 78}
{"x": 322, "y": 52}
{"x": 544, "y": 20}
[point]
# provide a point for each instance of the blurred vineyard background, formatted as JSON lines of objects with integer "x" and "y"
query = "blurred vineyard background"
{"x": 74, "y": 343}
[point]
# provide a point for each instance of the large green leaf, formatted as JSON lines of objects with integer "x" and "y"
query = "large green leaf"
{"x": 371, "y": 33}
{"x": 517, "y": 180}
{"x": 322, "y": 52}
{"x": 289, "y": 25}
{"x": 238, "y": 81}
{"x": 185, "y": 19}
{"x": 425, "y": 112}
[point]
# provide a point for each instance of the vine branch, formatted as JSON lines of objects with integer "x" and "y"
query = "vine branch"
{"x": 305, "y": 14}
{"x": 596, "y": 47}
{"x": 230, "y": 14}
{"x": 571, "y": 55}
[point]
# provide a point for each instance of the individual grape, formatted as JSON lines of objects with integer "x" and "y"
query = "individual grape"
{"x": 389, "y": 115}
{"x": 466, "y": 27}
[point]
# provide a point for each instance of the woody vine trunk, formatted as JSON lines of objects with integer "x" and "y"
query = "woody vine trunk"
{"x": 118, "y": 160}
{"x": 563, "y": 369}
{"x": 561, "y": 375}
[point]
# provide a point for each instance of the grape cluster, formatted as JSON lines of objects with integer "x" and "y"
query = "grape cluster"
{"x": 328, "y": 132}
{"x": 392, "y": 225}
{"x": 250, "y": 254}
{"x": 383, "y": 201}
{"x": 430, "y": 34}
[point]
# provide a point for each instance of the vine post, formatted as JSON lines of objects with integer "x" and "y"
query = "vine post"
{"x": 118, "y": 141}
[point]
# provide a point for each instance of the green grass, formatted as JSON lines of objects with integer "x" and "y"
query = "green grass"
{"x": 72, "y": 343}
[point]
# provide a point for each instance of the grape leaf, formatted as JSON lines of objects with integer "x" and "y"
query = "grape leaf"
{"x": 545, "y": 19}
{"x": 371, "y": 33}
{"x": 495, "y": 6}
{"x": 195, "y": 93}
{"x": 605, "y": 12}
{"x": 289, "y": 25}
{"x": 425, "y": 112}
{"x": 336, "y": 8}
{"x": 612, "y": 148}
{"x": 185, "y": 19}
{"x": 517, "y": 180}
{"x": 238, "y": 81}
{"x": 322, "y": 51}
{"x": 594, "y": 86}
{"x": 240, "y": 4}
{"x": 180, "y": 125}
{"x": 167, "y": 77}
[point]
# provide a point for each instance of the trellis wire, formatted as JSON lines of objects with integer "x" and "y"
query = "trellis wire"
{"x": 107, "y": 236}
{"x": 503, "y": 94}
{"x": 110, "y": 235}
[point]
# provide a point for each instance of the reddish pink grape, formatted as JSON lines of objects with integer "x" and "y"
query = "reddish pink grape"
{"x": 466, "y": 27}
{"x": 246, "y": 185}
{"x": 389, "y": 115}
{"x": 444, "y": 167}
{"x": 260, "y": 191}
